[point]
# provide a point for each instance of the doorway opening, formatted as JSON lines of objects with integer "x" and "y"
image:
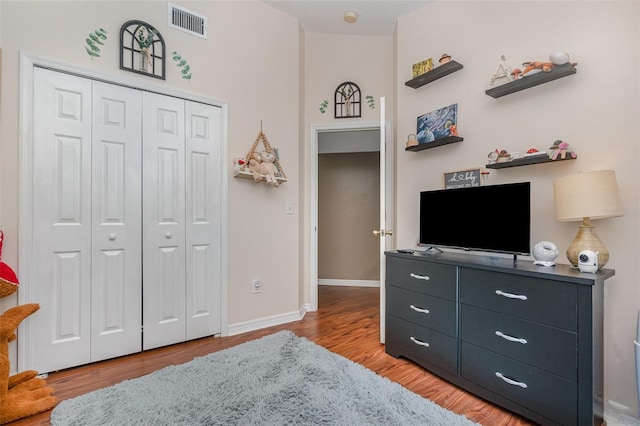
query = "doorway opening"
{"x": 385, "y": 178}
{"x": 348, "y": 208}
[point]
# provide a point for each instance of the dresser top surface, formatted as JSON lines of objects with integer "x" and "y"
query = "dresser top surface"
{"x": 559, "y": 272}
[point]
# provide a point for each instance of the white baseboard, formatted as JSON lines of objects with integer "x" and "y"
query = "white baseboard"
{"x": 349, "y": 283}
{"x": 620, "y": 417}
{"x": 260, "y": 323}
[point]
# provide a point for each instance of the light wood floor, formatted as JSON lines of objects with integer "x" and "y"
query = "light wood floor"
{"x": 347, "y": 323}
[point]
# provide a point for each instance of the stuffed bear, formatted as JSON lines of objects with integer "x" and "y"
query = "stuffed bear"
{"x": 263, "y": 167}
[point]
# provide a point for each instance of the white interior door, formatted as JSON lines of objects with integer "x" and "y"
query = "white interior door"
{"x": 203, "y": 206}
{"x": 163, "y": 248}
{"x": 116, "y": 255}
{"x": 385, "y": 218}
{"x": 61, "y": 222}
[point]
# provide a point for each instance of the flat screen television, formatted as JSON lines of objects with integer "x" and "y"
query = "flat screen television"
{"x": 493, "y": 218}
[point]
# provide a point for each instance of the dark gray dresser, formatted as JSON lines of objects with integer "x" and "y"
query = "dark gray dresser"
{"x": 525, "y": 337}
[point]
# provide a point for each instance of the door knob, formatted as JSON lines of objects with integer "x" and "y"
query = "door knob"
{"x": 168, "y": 235}
{"x": 382, "y": 232}
{"x": 112, "y": 237}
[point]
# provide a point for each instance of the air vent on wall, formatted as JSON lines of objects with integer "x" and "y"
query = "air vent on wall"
{"x": 188, "y": 21}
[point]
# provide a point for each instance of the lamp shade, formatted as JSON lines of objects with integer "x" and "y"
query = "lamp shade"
{"x": 591, "y": 195}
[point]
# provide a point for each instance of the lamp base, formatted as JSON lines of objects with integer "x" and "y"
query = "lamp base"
{"x": 587, "y": 239}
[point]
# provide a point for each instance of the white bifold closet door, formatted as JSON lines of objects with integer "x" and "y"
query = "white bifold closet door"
{"x": 86, "y": 221}
{"x": 125, "y": 221}
{"x": 181, "y": 247}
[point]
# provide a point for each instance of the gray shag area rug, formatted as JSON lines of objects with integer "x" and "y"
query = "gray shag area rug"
{"x": 280, "y": 379}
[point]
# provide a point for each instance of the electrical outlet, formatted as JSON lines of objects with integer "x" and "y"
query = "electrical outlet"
{"x": 257, "y": 286}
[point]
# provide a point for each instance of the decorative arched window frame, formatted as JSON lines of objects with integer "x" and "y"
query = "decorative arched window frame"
{"x": 348, "y": 100}
{"x": 135, "y": 56}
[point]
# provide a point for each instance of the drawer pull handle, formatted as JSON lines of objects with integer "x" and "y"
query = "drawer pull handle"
{"x": 511, "y": 382}
{"x": 511, "y": 338}
{"x": 420, "y": 277}
{"x": 422, "y": 311}
{"x": 511, "y": 295}
{"x": 418, "y": 342}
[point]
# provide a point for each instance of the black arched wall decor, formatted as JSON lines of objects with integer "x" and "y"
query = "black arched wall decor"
{"x": 142, "y": 49}
{"x": 347, "y": 100}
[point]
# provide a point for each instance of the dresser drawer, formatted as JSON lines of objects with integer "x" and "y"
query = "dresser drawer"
{"x": 551, "y": 396}
{"x": 422, "y": 309}
{"x": 423, "y": 345}
{"x": 541, "y": 346}
{"x": 548, "y": 302}
{"x": 422, "y": 277}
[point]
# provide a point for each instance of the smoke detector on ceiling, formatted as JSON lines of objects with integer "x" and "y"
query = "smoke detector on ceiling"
{"x": 351, "y": 17}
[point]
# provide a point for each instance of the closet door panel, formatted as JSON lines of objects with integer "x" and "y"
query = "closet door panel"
{"x": 61, "y": 215}
{"x": 116, "y": 307}
{"x": 163, "y": 221}
{"x": 203, "y": 147}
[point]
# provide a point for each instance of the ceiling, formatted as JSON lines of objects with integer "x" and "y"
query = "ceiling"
{"x": 375, "y": 17}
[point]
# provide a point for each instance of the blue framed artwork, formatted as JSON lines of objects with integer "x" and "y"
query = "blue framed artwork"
{"x": 437, "y": 124}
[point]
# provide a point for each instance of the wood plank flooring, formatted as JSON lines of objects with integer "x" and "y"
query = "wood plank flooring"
{"x": 346, "y": 323}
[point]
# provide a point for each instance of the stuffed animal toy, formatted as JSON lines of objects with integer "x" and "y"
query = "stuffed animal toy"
{"x": 8, "y": 278}
{"x": 239, "y": 165}
{"x": 535, "y": 67}
{"x": 560, "y": 149}
{"x": 22, "y": 394}
{"x": 265, "y": 169}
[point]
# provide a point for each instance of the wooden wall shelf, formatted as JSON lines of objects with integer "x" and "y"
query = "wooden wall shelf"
{"x": 523, "y": 83}
{"x": 249, "y": 175}
{"x": 438, "y": 142}
{"x": 434, "y": 74}
{"x": 525, "y": 161}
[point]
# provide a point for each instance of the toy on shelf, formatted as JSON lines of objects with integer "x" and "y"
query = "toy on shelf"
{"x": 444, "y": 59}
{"x": 532, "y": 152}
{"x": 502, "y": 71}
{"x": 555, "y": 58}
{"x": 503, "y": 156}
{"x": 560, "y": 150}
{"x": 264, "y": 168}
{"x": 261, "y": 166}
{"x": 411, "y": 141}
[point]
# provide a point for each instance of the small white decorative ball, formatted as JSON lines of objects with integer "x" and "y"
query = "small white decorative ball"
{"x": 558, "y": 57}
{"x": 545, "y": 253}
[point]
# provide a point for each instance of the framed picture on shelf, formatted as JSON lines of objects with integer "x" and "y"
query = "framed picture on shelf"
{"x": 462, "y": 178}
{"x": 437, "y": 124}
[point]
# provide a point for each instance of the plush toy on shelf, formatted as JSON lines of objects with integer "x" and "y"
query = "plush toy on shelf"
{"x": 22, "y": 394}
{"x": 238, "y": 164}
{"x": 560, "y": 150}
{"x": 265, "y": 169}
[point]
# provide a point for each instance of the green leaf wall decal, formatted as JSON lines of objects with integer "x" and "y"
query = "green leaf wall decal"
{"x": 180, "y": 62}
{"x": 96, "y": 37}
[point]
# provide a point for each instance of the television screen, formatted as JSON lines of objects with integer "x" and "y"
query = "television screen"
{"x": 492, "y": 218}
